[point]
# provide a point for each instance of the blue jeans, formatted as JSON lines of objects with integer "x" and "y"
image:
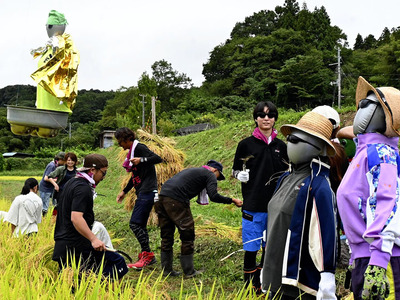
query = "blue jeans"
{"x": 140, "y": 215}
{"x": 46, "y": 200}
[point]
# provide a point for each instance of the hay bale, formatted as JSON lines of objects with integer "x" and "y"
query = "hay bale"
{"x": 173, "y": 160}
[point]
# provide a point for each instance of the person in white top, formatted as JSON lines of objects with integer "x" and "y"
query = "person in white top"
{"x": 26, "y": 210}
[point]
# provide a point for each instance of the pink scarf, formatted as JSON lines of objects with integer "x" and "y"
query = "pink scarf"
{"x": 259, "y": 135}
{"x": 89, "y": 178}
{"x": 131, "y": 154}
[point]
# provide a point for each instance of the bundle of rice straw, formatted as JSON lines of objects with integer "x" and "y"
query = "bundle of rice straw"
{"x": 173, "y": 160}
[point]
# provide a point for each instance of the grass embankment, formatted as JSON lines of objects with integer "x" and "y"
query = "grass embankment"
{"x": 28, "y": 269}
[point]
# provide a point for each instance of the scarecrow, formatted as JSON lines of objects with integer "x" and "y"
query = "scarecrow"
{"x": 300, "y": 256}
{"x": 56, "y": 75}
{"x": 368, "y": 196}
{"x": 57, "y": 89}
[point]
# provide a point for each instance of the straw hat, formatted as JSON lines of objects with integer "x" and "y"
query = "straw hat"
{"x": 389, "y": 98}
{"x": 315, "y": 125}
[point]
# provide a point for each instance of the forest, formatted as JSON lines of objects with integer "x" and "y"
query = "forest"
{"x": 288, "y": 55}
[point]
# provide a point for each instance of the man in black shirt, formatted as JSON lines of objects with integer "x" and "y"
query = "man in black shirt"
{"x": 173, "y": 209}
{"x": 73, "y": 236}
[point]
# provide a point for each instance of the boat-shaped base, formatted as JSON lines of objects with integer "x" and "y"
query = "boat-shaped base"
{"x": 36, "y": 122}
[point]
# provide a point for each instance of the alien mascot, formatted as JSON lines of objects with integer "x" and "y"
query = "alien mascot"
{"x": 56, "y": 75}
{"x": 368, "y": 196}
{"x": 300, "y": 256}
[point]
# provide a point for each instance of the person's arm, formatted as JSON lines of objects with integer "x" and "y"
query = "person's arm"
{"x": 237, "y": 170}
{"x": 54, "y": 183}
{"x": 125, "y": 191}
{"x": 143, "y": 155}
{"x": 81, "y": 226}
{"x": 212, "y": 192}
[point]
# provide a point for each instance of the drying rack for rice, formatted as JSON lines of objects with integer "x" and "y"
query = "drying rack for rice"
{"x": 172, "y": 163}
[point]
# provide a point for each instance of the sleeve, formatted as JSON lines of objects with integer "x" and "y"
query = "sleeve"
{"x": 212, "y": 192}
{"x": 56, "y": 173}
{"x": 147, "y": 156}
{"x": 13, "y": 212}
{"x": 128, "y": 186}
{"x": 49, "y": 169}
{"x": 382, "y": 213}
{"x": 237, "y": 162}
{"x": 322, "y": 230}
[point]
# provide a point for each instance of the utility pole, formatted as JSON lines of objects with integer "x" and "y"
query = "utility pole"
{"x": 153, "y": 115}
{"x": 143, "y": 103}
{"x": 339, "y": 78}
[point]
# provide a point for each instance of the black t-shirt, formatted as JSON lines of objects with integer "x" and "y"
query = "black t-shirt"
{"x": 77, "y": 196}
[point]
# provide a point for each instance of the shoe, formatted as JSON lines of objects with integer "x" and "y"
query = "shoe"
{"x": 144, "y": 259}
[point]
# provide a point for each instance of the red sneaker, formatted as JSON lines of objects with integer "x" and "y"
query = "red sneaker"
{"x": 145, "y": 259}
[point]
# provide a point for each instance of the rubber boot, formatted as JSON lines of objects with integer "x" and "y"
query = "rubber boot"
{"x": 166, "y": 264}
{"x": 253, "y": 277}
{"x": 187, "y": 266}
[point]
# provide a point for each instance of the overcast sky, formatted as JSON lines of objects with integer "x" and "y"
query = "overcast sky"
{"x": 119, "y": 40}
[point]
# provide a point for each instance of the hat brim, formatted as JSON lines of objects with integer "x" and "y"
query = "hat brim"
{"x": 221, "y": 176}
{"x": 81, "y": 169}
{"x": 287, "y": 129}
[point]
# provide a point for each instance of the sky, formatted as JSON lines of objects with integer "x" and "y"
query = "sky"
{"x": 119, "y": 40}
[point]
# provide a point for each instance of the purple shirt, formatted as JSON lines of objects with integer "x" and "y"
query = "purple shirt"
{"x": 368, "y": 201}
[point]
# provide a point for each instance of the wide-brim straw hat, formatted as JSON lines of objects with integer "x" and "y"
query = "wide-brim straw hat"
{"x": 389, "y": 98}
{"x": 315, "y": 125}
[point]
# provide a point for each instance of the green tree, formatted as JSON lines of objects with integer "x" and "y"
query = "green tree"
{"x": 359, "y": 43}
{"x": 304, "y": 80}
{"x": 123, "y": 100}
{"x": 171, "y": 85}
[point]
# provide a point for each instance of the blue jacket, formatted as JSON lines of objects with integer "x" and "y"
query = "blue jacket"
{"x": 311, "y": 245}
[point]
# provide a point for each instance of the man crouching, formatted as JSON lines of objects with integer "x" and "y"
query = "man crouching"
{"x": 74, "y": 239}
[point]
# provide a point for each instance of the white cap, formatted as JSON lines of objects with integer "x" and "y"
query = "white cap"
{"x": 330, "y": 113}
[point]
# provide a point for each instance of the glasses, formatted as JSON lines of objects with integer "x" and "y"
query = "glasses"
{"x": 270, "y": 115}
{"x": 295, "y": 139}
{"x": 103, "y": 172}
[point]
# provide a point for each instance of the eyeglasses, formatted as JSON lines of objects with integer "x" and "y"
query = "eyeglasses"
{"x": 295, "y": 139}
{"x": 103, "y": 172}
{"x": 270, "y": 115}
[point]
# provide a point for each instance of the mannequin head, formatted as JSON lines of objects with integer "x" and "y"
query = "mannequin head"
{"x": 303, "y": 147}
{"x": 370, "y": 116}
{"x": 309, "y": 138}
{"x": 56, "y": 23}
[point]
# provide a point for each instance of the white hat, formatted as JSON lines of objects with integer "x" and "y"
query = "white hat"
{"x": 329, "y": 113}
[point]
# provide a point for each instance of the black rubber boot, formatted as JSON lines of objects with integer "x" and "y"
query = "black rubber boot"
{"x": 166, "y": 264}
{"x": 187, "y": 266}
{"x": 253, "y": 277}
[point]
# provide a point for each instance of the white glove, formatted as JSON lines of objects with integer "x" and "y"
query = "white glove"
{"x": 243, "y": 176}
{"x": 327, "y": 287}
